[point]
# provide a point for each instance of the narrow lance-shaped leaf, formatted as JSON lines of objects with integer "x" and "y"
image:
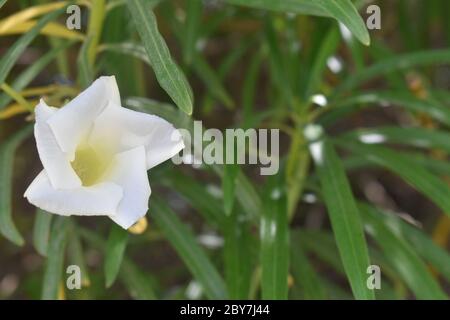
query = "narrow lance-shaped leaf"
{"x": 7, "y": 152}
{"x": 133, "y": 278}
{"x": 32, "y": 71}
{"x": 345, "y": 12}
{"x": 398, "y": 62}
{"x": 274, "y": 242}
{"x": 299, "y": 6}
{"x": 403, "y": 99}
{"x": 327, "y": 48}
{"x": 76, "y": 255}
{"x": 305, "y": 276}
{"x": 239, "y": 256}
{"x": 344, "y": 216}
{"x": 409, "y": 266}
{"x": 55, "y": 261}
{"x": 169, "y": 75}
{"x": 230, "y": 173}
{"x": 413, "y": 136}
{"x": 41, "y": 231}
{"x": 137, "y": 282}
{"x": 190, "y": 252}
{"x": 416, "y": 175}
{"x": 193, "y": 21}
{"x": 342, "y": 10}
{"x": 14, "y": 52}
{"x": 86, "y": 72}
{"x": 422, "y": 243}
{"x": 115, "y": 250}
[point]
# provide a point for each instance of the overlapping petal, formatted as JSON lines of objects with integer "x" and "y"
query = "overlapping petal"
{"x": 56, "y": 162}
{"x": 130, "y": 129}
{"x": 100, "y": 199}
{"x": 72, "y": 123}
{"x": 130, "y": 173}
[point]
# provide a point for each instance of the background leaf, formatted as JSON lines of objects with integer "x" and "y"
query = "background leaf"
{"x": 344, "y": 217}
{"x": 186, "y": 246}
{"x": 7, "y": 152}
{"x": 115, "y": 250}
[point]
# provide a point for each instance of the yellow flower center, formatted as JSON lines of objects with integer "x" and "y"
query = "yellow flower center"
{"x": 89, "y": 165}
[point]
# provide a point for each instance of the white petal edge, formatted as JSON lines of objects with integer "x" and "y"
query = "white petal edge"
{"x": 99, "y": 199}
{"x": 130, "y": 129}
{"x": 72, "y": 123}
{"x": 56, "y": 163}
{"x": 131, "y": 174}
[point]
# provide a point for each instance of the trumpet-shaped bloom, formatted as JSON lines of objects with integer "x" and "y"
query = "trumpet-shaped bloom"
{"x": 96, "y": 155}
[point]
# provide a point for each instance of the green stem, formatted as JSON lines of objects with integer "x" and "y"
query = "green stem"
{"x": 96, "y": 18}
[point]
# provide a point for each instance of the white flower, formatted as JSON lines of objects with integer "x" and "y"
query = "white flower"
{"x": 96, "y": 155}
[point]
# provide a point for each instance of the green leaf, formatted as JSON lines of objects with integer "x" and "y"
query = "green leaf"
{"x": 33, "y": 70}
{"x": 41, "y": 231}
{"x": 15, "y": 51}
{"x": 298, "y": 6}
{"x": 136, "y": 281}
{"x": 246, "y": 194}
{"x": 198, "y": 196}
{"x": 345, "y": 12}
{"x": 239, "y": 256}
{"x": 115, "y": 251}
{"x": 399, "y": 62}
{"x": 230, "y": 172}
{"x": 192, "y": 26}
{"x": 344, "y": 216}
{"x": 417, "y": 137}
{"x": 409, "y": 266}
{"x": 76, "y": 254}
{"x": 379, "y": 99}
{"x": 212, "y": 81}
{"x": 304, "y": 273}
{"x": 342, "y": 10}
{"x": 190, "y": 252}
{"x": 274, "y": 242}
{"x": 169, "y": 75}
{"x": 2, "y": 3}
{"x": 327, "y": 48}
{"x": 437, "y": 256}
{"x": 86, "y": 73}
{"x": 55, "y": 261}
{"x": 7, "y": 151}
{"x": 417, "y": 176}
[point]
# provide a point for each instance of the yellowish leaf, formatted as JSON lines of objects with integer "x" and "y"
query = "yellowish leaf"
{"x": 12, "y": 110}
{"x": 22, "y": 16}
{"x": 51, "y": 29}
{"x": 26, "y": 14}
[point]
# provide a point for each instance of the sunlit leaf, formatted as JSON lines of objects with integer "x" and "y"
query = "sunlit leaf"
{"x": 169, "y": 75}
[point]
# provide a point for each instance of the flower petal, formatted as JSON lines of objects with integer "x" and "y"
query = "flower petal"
{"x": 131, "y": 174}
{"x": 130, "y": 129}
{"x": 99, "y": 199}
{"x": 73, "y": 122}
{"x": 56, "y": 162}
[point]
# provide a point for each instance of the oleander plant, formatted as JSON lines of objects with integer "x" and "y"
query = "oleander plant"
{"x": 96, "y": 97}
